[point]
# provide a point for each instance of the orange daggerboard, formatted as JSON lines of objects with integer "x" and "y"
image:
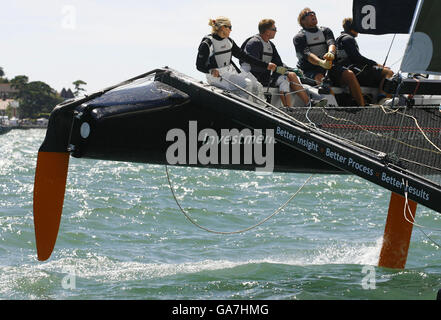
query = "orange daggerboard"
{"x": 49, "y": 187}
{"x": 397, "y": 233}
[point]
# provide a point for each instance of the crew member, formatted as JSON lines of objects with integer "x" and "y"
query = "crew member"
{"x": 316, "y": 51}
{"x": 369, "y": 73}
{"x": 261, "y": 47}
{"x": 215, "y": 60}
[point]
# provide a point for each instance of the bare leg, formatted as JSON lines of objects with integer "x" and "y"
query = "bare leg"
{"x": 348, "y": 78}
{"x": 319, "y": 78}
{"x": 387, "y": 74}
{"x": 286, "y": 99}
{"x": 297, "y": 86}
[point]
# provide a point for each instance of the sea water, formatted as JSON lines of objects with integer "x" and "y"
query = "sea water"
{"x": 122, "y": 236}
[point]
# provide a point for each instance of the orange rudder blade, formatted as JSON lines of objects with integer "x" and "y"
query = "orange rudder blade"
{"x": 397, "y": 234}
{"x": 49, "y": 189}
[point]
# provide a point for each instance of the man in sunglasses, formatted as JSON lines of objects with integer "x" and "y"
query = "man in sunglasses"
{"x": 261, "y": 47}
{"x": 316, "y": 51}
{"x": 369, "y": 73}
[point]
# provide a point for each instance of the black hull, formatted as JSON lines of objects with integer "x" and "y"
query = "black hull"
{"x": 133, "y": 128}
{"x": 139, "y": 135}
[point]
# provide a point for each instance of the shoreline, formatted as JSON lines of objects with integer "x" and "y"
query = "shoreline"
{"x": 6, "y": 129}
{"x": 31, "y": 126}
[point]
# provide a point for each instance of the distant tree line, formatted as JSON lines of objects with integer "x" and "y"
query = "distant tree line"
{"x": 36, "y": 98}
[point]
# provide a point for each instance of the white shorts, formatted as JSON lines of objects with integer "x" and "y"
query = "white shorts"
{"x": 245, "y": 80}
{"x": 283, "y": 84}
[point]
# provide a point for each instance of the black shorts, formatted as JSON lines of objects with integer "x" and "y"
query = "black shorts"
{"x": 369, "y": 76}
{"x": 310, "y": 73}
{"x": 335, "y": 74}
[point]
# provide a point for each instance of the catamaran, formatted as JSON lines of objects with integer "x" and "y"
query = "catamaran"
{"x": 396, "y": 145}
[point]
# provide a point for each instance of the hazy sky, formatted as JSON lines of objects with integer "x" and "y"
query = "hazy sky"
{"x": 106, "y": 42}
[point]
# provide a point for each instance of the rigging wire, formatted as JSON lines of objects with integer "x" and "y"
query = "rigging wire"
{"x": 390, "y": 48}
{"x": 353, "y": 143}
{"x": 375, "y": 134}
{"x": 303, "y": 124}
{"x": 311, "y": 123}
{"x": 428, "y": 237}
{"x": 417, "y": 125}
{"x": 380, "y": 135}
{"x": 398, "y": 61}
{"x": 307, "y": 115}
{"x": 407, "y": 209}
{"x": 187, "y": 216}
{"x": 420, "y": 227}
{"x": 422, "y": 132}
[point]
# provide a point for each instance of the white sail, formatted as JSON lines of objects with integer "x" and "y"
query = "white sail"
{"x": 423, "y": 52}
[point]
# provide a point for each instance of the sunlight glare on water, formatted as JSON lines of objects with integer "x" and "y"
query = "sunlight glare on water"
{"x": 123, "y": 237}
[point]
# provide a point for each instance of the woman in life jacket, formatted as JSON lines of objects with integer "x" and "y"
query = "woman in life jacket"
{"x": 215, "y": 55}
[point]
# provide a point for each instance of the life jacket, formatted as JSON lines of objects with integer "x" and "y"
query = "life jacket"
{"x": 316, "y": 42}
{"x": 220, "y": 51}
{"x": 342, "y": 56}
{"x": 267, "y": 53}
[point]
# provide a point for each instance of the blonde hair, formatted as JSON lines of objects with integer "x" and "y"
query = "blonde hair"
{"x": 348, "y": 24}
{"x": 217, "y": 23}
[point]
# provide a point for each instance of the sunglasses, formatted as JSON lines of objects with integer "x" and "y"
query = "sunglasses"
{"x": 273, "y": 29}
{"x": 310, "y": 13}
{"x": 229, "y": 27}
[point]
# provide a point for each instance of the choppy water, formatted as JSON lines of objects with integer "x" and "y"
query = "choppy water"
{"x": 123, "y": 237}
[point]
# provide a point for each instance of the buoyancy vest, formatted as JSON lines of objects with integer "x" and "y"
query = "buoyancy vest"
{"x": 342, "y": 55}
{"x": 220, "y": 51}
{"x": 316, "y": 42}
{"x": 267, "y": 53}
